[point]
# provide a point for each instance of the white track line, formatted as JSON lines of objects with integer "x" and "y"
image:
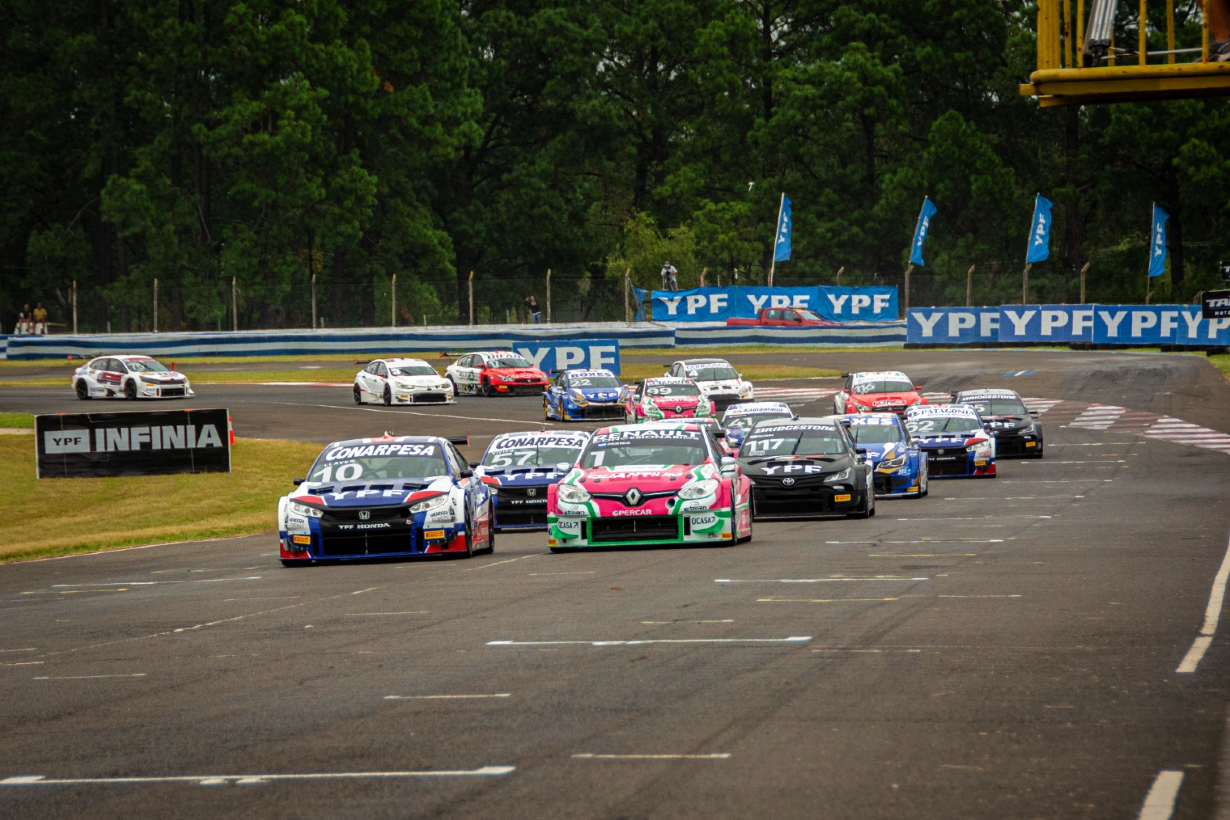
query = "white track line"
{"x": 1212, "y": 614}
{"x": 794, "y": 639}
{"x": 248, "y": 779}
{"x": 1159, "y": 802}
{"x": 446, "y": 697}
{"x": 892, "y": 578}
{"x": 586, "y": 756}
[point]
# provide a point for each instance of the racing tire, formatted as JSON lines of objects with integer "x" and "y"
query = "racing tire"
{"x": 469, "y": 553}
{"x": 868, "y": 507}
{"x": 456, "y": 391}
{"x": 560, "y": 550}
{"x": 545, "y": 415}
{"x": 130, "y": 389}
{"x": 358, "y": 395}
{"x": 388, "y": 396}
{"x": 490, "y": 528}
{"x": 750, "y": 522}
{"x": 83, "y": 390}
{"x": 295, "y": 564}
{"x": 923, "y": 485}
{"x": 488, "y": 391}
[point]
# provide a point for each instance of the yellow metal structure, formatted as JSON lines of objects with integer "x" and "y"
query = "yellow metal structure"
{"x": 1063, "y": 78}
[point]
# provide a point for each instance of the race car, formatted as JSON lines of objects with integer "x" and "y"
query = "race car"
{"x": 716, "y": 379}
{"x": 956, "y": 442}
{"x": 740, "y": 418}
{"x": 886, "y": 391}
{"x": 579, "y": 395}
{"x": 132, "y": 377}
{"x": 898, "y": 466}
{"x": 392, "y": 496}
{"x": 1016, "y": 431}
{"x": 665, "y": 398}
{"x": 806, "y": 467}
{"x": 660, "y": 483}
{"x": 401, "y": 381}
{"x": 495, "y": 373}
{"x": 520, "y": 466}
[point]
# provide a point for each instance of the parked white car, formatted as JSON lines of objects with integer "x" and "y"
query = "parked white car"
{"x": 130, "y": 377}
{"x": 401, "y": 381}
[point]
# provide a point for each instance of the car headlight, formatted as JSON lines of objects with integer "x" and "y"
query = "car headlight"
{"x": 572, "y": 494}
{"x": 578, "y": 397}
{"x": 745, "y": 389}
{"x": 842, "y": 476}
{"x": 893, "y": 463}
{"x": 304, "y": 509}
{"x": 699, "y": 489}
{"x": 702, "y": 409}
{"x": 428, "y": 504}
{"x": 446, "y": 385}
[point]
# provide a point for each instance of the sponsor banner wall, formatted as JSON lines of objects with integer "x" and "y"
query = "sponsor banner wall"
{"x": 837, "y": 304}
{"x": 952, "y": 326}
{"x": 591, "y": 354}
{"x": 881, "y": 333}
{"x": 1111, "y": 325}
{"x": 161, "y": 442}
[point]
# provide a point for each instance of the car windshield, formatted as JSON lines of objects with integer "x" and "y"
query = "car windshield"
{"x": 875, "y": 433}
{"x": 943, "y": 424}
{"x": 508, "y": 361}
{"x": 512, "y": 451}
{"x": 883, "y": 386}
{"x": 413, "y": 370}
{"x": 659, "y": 391}
{"x": 997, "y": 406}
{"x": 750, "y": 420}
{"x": 367, "y": 462}
{"x": 594, "y": 381}
{"x": 809, "y": 315}
{"x": 645, "y": 448}
{"x": 146, "y": 366}
{"x": 794, "y": 440}
{"x": 711, "y": 372}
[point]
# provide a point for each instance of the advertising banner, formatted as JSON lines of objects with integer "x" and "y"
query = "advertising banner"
{"x": 588, "y": 354}
{"x": 1112, "y": 325}
{"x": 956, "y": 326}
{"x": 1215, "y": 304}
{"x": 160, "y": 442}
{"x": 836, "y": 304}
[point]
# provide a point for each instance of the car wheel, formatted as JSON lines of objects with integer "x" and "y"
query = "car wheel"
{"x": 130, "y": 389}
{"x": 388, "y": 396}
{"x": 545, "y": 415}
{"x": 83, "y": 389}
{"x": 750, "y": 524}
{"x": 456, "y": 391}
{"x": 490, "y": 528}
{"x": 358, "y": 395}
{"x": 923, "y": 489}
{"x": 469, "y": 536}
{"x": 293, "y": 564}
{"x": 487, "y": 389}
{"x": 871, "y": 502}
{"x": 868, "y": 504}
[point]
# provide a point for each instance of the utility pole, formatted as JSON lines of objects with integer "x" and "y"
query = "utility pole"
{"x": 471, "y": 297}
{"x": 907, "y": 289}
{"x": 313, "y": 301}
{"x": 234, "y": 302}
{"x": 969, "y": 285}
{"x": 393, "y": 306}
{"x": 1025, "y": 284}
{"x": 628, "y": 295}
{"x": 156, "y": 305}
{"x": 1087, "y": 264}
{"x": 548, "y": 296}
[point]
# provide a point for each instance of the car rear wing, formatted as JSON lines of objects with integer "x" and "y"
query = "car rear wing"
{"x": 450, "y": 354}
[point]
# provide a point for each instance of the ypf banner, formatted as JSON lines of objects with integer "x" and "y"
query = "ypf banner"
{"x": 958, "y": 326}
{"x": 837, "y": 304}
{"x": 590, "y": 354}
{"x": 1112, "y": 325}
{"x": 89, "y": 445}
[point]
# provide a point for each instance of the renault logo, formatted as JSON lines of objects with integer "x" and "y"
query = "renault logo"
{"x": 633, "y": 497}
{"x": 789, "y": 482}
{"x": 678, "y": 408}
{"x": 364, "y": 515}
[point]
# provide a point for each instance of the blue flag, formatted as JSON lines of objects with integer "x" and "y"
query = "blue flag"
{"x": 781, "y": 251}
{"x": 920, "y": 231}
{"x": 1040, "y": 232}
{"x": 1157, "y": 245}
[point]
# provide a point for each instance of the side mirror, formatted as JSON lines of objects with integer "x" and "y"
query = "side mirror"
{"x": 730, "y": 466}
{"x": 918, "y": 387}
{"x": 466, "y": 473}
{"x": 1033, "y": 414}
{"x": 478, "y": 470}
{"x": 299, "y": 481}
{"x": 563, "y": 467}
{"x": 474, "y": 464}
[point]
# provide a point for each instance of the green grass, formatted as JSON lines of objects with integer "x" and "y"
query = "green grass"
{"x": 106, "y": 513}
{"x": 1222, "y": 360}
{"x": 14, "y": 420}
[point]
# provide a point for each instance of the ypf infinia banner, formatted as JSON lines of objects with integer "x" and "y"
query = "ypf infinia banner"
{"x": 160, "y": 442}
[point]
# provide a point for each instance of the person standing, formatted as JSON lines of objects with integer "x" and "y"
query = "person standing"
{"x": 40, "y": 318}
{"x": 670, "y": 280}
{"x": 532, "y": 310}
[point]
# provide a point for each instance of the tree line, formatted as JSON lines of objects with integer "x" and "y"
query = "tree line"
{"x": 266, "y": 143}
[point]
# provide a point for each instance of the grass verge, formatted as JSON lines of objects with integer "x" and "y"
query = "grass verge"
{"x": 107, "y": 513}
{"x": 1222, "y": 360}
{"x": 15, "y": 420}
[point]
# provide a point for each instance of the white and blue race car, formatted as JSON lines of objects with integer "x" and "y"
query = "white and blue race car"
{"x": 581, "y": 395}
{"x": 957, "y": 443}
{"x": 393, "y": 496}
{"x": 739, "y": 418}
{"x": 899, "y": 466}
{"x": 521, "y": 466}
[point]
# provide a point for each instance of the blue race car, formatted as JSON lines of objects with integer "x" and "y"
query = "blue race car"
{"x": 739, "y": 418}
{"x": 582, "y": 395}
{"x": 392, "y": 496}
{"x": 520, "y": 467}
{"x": 957, "y": 443}
{"x": 899, "y": 466}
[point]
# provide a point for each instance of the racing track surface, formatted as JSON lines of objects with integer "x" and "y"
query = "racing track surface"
{"x": 1003, "y": 648}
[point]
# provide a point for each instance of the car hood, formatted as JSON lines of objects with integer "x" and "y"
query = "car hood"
{"x": 685, "y": 402}
{"x": 794, "y": 466}
{"x": 646, "y": 479}
{"x": 367, "y": 494}
{"x": 524, "y": 478}
{"x": 597, "y": 393}
{"x": 169, "y": 378}
{"x": 887, "y": 399}
{"x": 516, "y": 373}
{"x": 880, "y": 450}
{"x": 720, "y": 386}
{"x": 1004, "y": 424}
{"x": 927, "y": 440}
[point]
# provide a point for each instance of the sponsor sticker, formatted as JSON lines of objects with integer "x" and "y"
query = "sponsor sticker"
{"x": 302, "y": 539}
{"x": 433, "y": 534}
{"x": 1031, "y": 444}
{"x": 842, "y": 497}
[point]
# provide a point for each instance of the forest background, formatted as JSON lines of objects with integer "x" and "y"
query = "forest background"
{"x": 202, "y": 143}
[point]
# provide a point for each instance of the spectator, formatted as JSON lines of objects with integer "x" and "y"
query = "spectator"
{"x": 532, "y": 310}
{"x": 40, "y": 318}
{"x": 670, "y": 280}
{"x": 1219, "y": 30}
{"x": 23, "y": 320}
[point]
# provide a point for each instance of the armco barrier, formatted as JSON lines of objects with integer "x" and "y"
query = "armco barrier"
{"x": 1133, "y": 325}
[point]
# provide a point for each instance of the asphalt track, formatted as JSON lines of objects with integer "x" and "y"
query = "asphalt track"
{"x": 1003, "y": 648}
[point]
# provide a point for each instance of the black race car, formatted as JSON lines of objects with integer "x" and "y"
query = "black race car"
{"x": 1017, "y": 431}
{"x": 806, "y": 467}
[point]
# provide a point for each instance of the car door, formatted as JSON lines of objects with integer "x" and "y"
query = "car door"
{"x": 472, "y": 370}
{"x": 365, "y": 381}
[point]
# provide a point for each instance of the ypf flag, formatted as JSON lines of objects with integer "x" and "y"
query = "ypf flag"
{"x": 781, "y": 252}
{"x": 920, "y": 231}
{"x": 1040, "y": 232}
{"x": 1157, "y": 252}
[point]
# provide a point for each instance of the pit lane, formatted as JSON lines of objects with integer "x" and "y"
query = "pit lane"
{"x": 1004, "y": 646}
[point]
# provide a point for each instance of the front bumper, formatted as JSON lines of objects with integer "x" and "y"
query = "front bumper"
{"x": 390, "y": 532}
{"x": 697, "y": 527}
{"x": 957, "y": 462}
{"x": 423, "y": 397}
{"x": 901, "y": 481}
{"x": 534, "y": 388}
{"x": 592, "y": 411}
{"x": 516, "y": 509}
{"x": 164, "y": 391}
{"x": 805, "y": 499}
{"x": 1016, "y": 444}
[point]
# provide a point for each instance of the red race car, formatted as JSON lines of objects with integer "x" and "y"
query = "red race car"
{"x": 883, "y": 391}
{"x": 496, "y": 373}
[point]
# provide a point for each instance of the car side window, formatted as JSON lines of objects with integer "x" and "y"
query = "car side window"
{"x": 119, "y": 366}
{"x": 459, "y": 463}
{"x": 100, "y": 364}
{"x": 381, "y": 370}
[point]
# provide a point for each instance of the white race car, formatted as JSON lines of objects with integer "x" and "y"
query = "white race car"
{"x": 496, "y": 373}
{"x": 130, "y": 377}
{"x": 401, "y": 381}
{"x": 717, "y": 380}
